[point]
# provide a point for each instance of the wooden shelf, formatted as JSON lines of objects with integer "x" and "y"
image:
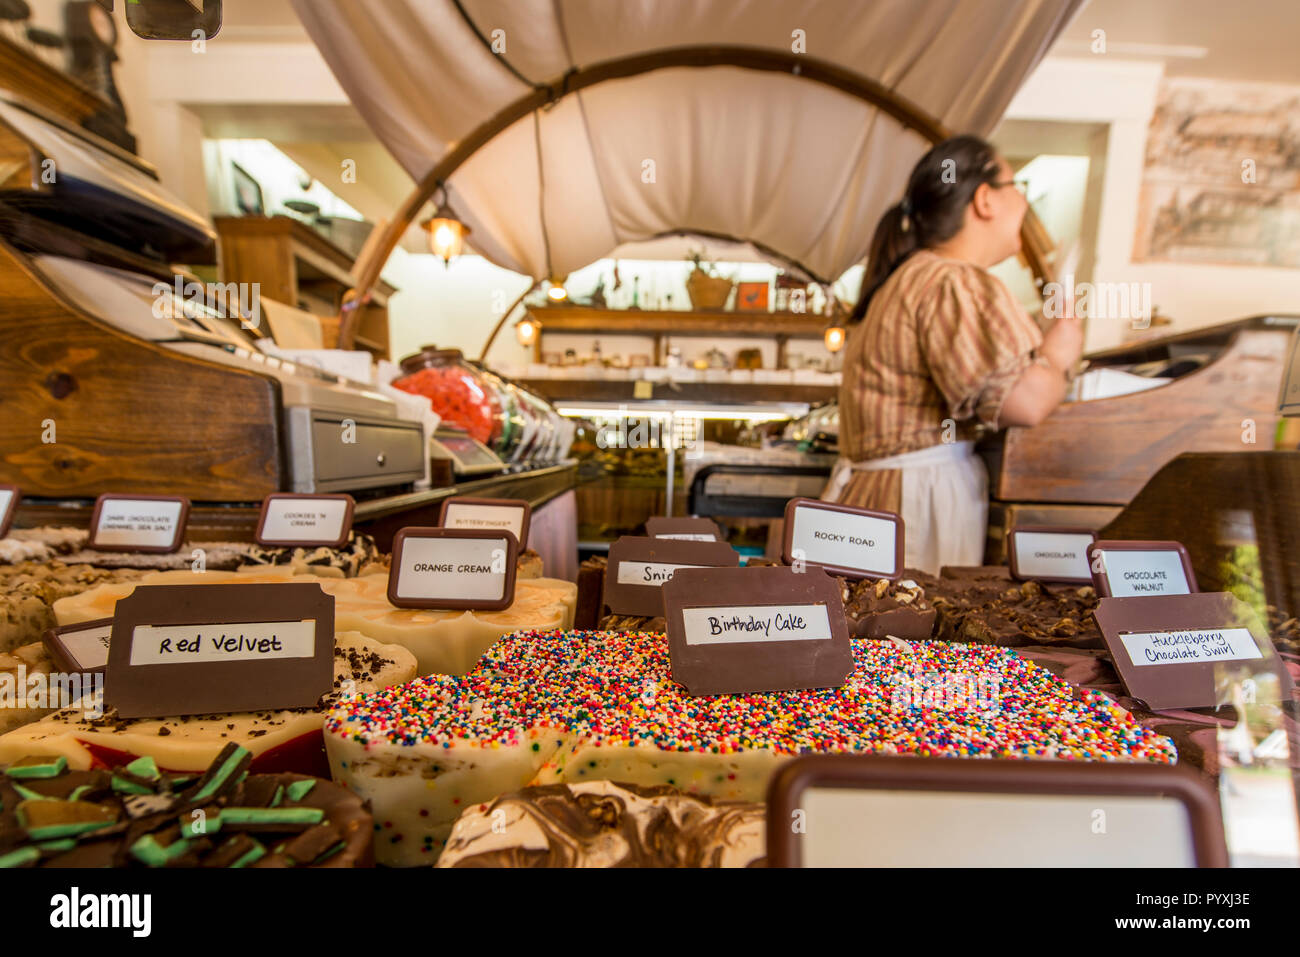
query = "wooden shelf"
{"x": 727, "y": 393}
{"x": 657, "y": 323}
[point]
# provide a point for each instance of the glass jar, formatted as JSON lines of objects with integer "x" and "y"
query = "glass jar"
{"x": 461, "y": 394}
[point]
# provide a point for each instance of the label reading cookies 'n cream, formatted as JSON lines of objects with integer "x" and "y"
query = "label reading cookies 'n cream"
{"x": 122, "y": 523}
{"x": 742, "y": 623}
{"x": 1184, "y": 647}
{"x": 647, "y": 573}
{"x": 303, "y": 520}
{"x": 853, "y": 542}
{"x": 247, "y": 641}
{"x": 452, "y": 568}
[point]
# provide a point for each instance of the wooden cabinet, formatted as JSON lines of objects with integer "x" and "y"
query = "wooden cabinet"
{"x": 296, "y": 265}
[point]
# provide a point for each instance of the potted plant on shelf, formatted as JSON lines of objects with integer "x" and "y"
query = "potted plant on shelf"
{"x": 706, "y": 289}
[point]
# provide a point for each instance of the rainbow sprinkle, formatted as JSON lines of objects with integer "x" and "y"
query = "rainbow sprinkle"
{"x": 609, "y": 689}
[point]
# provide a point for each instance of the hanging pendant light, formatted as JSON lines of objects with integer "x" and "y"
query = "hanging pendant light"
{"x": 556, "y": 291}
{"x": 834, "y": 338}
{"x": 446, "y": 232}
{"x": 526, "y": 330}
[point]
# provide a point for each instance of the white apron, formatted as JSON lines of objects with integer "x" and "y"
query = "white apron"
{"x": 945, "y": 504}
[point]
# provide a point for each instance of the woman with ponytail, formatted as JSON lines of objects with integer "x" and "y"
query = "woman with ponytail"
{"x": 938, "y": 348}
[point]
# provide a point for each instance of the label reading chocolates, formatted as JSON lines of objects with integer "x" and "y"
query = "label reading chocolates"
{"x": 1049, "y": 554}
{"x": 217, "y": 649}
{"x": 305, "y": 520}
{"x": 1219, "y": 644}
{"x": 711, "y": 626}
{"x": 639, "y": 567}
{"x": 1169, "y": 648}
{"x": 452, "y": 568}
{"x": 683, "y": 529}
{"x": 740, "y": 630}
{"x": 488, "y": 514}
{"x": 250, "y": 641}
{"x": 9, "y": 496}
{"x": 80, "y": 648}
{"x": 847, "y": 541}
{"x": 1125, "y": 569}
{"x": 126, "y": 523}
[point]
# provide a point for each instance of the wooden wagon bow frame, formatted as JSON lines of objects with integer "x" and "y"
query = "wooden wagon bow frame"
{"x": 1035, "y": 241}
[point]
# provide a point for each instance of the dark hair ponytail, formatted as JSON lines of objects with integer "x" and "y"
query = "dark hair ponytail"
{"x": 932, "y": 209}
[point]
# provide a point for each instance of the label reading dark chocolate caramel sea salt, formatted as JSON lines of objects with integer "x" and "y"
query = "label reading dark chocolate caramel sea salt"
{"x": 299, "y": 520}
{"x": 639, "y": 567}
{"x": 488, "y": 514}
{"x": 213, "y": 649}
{"x": 453, "y": 569}
{"x": 1167, "y": 648}
{"x": 847, "y": 541}
{"x": 738, "y": 630}
{"x": 143, "y": 523}
{"x": 1049, "y": 553}
{"x": 1132, "y": 569}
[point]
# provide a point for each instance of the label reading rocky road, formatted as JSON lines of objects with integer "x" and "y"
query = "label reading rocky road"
{"x": 853, "y": 542}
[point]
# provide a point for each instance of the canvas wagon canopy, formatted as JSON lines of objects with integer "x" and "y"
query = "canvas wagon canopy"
{"x": 565, "y": 128}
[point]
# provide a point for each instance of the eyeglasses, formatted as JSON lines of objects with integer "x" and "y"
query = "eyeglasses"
{"x": 1020, "y": 184}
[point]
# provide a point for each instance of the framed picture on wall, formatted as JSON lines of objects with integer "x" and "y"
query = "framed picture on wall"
{"x": 751, "y": 296}
{"x": 248, "y": 192}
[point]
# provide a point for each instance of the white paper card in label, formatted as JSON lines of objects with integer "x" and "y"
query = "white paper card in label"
{"x": 1189, "y": 647}
{"x": 489, "y": 518}
{"x": 465, "y": 569}
{"x": 89, "y": 646}
{"x": 6, "y": 499}
{"x": 243, "y": 641}
{"x": 751, "y": 623}
{"x": 647, "y": 573}
{"x": 689, "y": 536}
{"x": 140, "y": 523}
{"x": 1132, "y": 573}
{"x": 304, "y": 519}
{"x": 836, "y": 538}
{"x": 1052, "y": 555}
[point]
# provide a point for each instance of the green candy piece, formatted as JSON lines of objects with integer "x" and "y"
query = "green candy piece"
{"x": 77, "y": 792}
{"x": 145, "y": 768}
{"x": 190, "y": 826}
{"x": 279, "y": 796}
{"x": 24, "y": 855}
{"x": 27, "y": 794}
{"x": 54, "y": 831}
{"x": 300, "y": 789}
{"x": 255, "y": 852}
{"x": 38, "y": 767}
{"x": 123, "y": 786}
{"x": 148, "y": 851}
{"x": 219, "y": 777}
{"x": 272, "y": 815}
{"x": 64, "y": 844}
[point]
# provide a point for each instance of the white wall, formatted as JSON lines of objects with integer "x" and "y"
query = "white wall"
{"x": 1123, "y": 95}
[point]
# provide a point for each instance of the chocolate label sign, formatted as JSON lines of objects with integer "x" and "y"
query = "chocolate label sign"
{"x": 488, "y": 514}
{"x": 683, "y": 529}
{"x": 305, "y": 521}
{"x": 1130, "y": 569}
{"x": 739, "y": 630}
{"x": 453, "y": 568}
{"x": 1047, "y": 553}
{"x": 639, "y": 567}
{"x": 125, "y": 523}
{"x": 9, "y": 497}
{"x": 847, "y": 541}
{"x": 1166, "y": 647}
{"x": 80, "y": 648}
{"x": 204, "y": 649}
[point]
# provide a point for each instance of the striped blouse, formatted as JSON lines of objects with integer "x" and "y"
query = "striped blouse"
{"x": 942, "y": 339}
